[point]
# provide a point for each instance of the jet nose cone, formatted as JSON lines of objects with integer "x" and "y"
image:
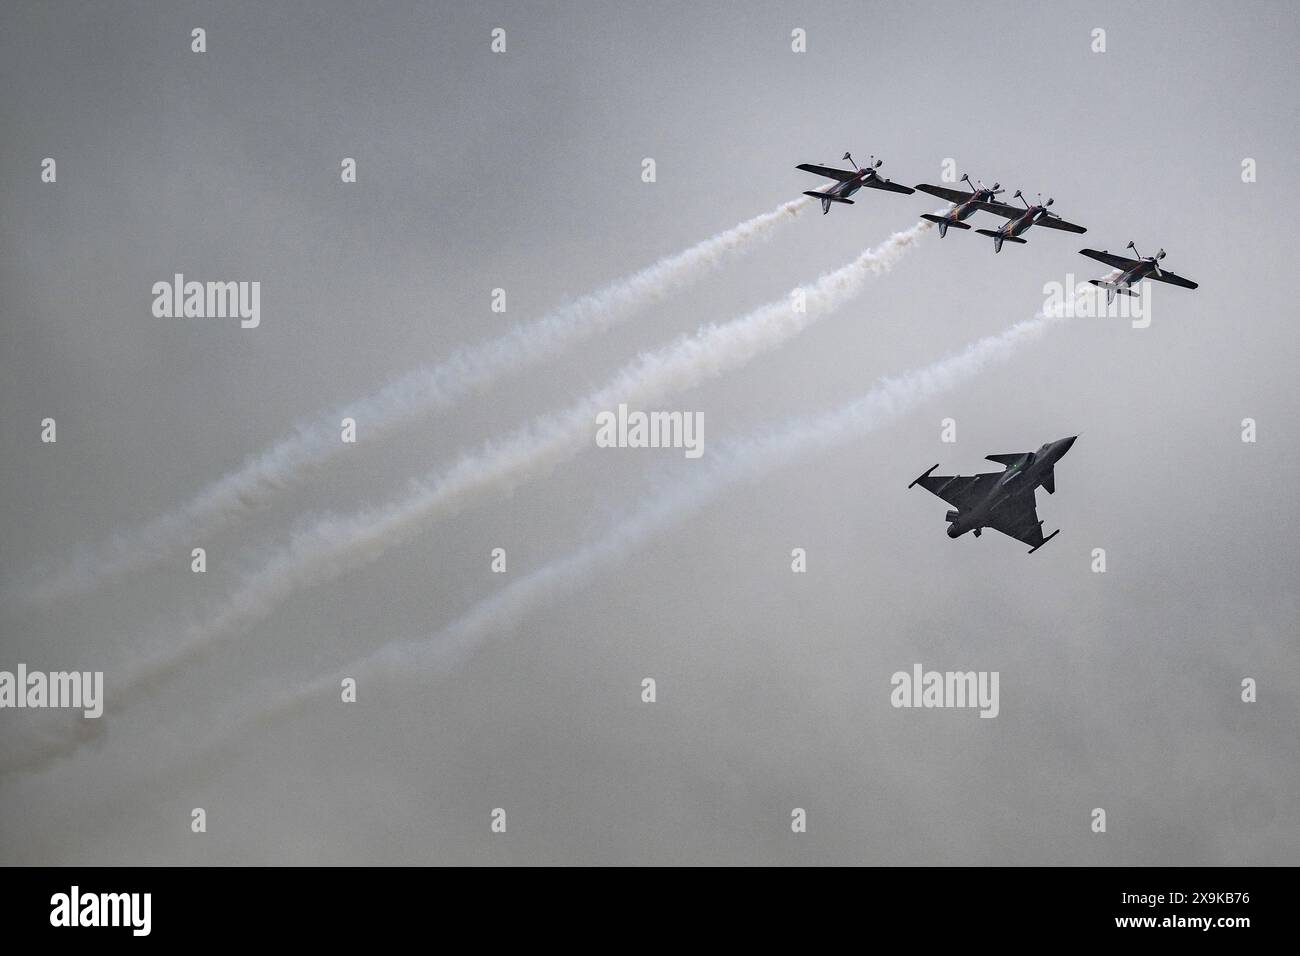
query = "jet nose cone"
{"x": 1066, "y": 443}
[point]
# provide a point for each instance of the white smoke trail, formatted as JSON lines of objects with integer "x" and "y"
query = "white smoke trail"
{"x": 341, "y": 543}
{"x": 337, "y": 544}
{"x": 887, "y": 402}
{"x": 417, "y": 394}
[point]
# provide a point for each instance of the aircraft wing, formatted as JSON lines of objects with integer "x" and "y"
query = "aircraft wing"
{"x": 1119, "y": 262}
{"x": 1056, "y": 222}
{"x": 960, "y": 492}
{"x": 1172, "y": 279}
{"x": 876, "y": 182}
{"x": 1008, "y": 459}
{"x": 943, "y": 192}
{"x": 1002, "y": 209}
{"x": 843, "y": 175}
{"x": 1017, "y": 517}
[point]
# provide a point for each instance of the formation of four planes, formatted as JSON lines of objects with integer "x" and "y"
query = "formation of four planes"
{"x": 1003, "y": 501}
{"x": 982, "y": 198}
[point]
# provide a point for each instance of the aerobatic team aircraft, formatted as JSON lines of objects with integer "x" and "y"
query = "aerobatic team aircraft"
{"x": 849, "y": 182}
{"x": 1003, "y": 501}
{"x": 966, "y": 203}
{"x": 1133, "y": 271}
{"x": 1019, "y": 220}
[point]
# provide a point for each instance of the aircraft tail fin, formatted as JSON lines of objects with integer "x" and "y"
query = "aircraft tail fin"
{"x": 1108, "y": 286}
{"x": 826, "y": 200}
{"x": 941, "y": 220}
{"x": 944, "y": 223}
{"x": 1112, "y": 287}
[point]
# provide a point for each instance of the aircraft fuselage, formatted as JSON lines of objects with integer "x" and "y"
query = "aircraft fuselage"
{"x": 1136, "y": 274}
{"x": 964, "y": 210}
{"x": 847, "y": 188}
{"x": 1014, "y": 227}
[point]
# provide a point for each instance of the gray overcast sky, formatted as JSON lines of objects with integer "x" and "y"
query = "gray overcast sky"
{"x": 522, "y": 170}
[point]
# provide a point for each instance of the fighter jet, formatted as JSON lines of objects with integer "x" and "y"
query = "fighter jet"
{"x": 1133, "y": 271}
{"x": 1020, "y": 220}
{"x": 966, "y": 203}
{"x": 1003, "y": 501}
{"x": 849, "y": 182}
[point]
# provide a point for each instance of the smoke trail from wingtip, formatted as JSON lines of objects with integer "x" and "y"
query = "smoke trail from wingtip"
{"x": 337, "y": 544}
{"x": 421, "y": 392}
{"x": 884, "y": 404}
{"x": 340, "y": 543}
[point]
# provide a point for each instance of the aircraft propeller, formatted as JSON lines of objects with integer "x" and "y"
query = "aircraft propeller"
{"x": 1155, "y": 259}
{"x": 978, "y": 186}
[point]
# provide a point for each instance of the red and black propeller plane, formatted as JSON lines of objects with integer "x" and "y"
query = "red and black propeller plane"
{"x": 965, "y": 203}
{"x": 849, "y": 181}
{"x": 1019, "y": 220}
{"x": 1133, "y": 271}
